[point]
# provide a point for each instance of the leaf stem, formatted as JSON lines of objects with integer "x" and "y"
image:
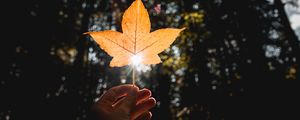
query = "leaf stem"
{"x": 133, "y": 75}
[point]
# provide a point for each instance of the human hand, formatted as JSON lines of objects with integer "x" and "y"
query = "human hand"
{"x": 125, "y": 102}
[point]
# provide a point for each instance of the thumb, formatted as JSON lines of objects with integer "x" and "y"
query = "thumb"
{"x": 130, "y": 100}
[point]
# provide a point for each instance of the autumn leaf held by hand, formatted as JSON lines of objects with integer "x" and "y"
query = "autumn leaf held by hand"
{"x": 136, "y": 39}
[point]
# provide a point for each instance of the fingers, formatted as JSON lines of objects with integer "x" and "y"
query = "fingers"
{"x": 129, "y": 101}
{"x": 113, "y": 94}
{"x": 143, "y": 107}
{"x": 143, "y": 94}
{"x": 145, "y": 116}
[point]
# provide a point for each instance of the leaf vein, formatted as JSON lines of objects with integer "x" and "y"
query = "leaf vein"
{"x": 118, "y": 45}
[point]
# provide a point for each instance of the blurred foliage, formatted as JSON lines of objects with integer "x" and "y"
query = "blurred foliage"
{"x": 233, "y": 58}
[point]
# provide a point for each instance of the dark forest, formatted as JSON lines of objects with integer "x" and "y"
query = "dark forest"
{"x": 236, "y": 60}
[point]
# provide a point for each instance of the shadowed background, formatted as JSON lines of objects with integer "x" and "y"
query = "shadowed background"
{"x": 236, "y": 60}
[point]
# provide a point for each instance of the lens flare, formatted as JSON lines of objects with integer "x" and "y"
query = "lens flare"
{"x": 136, "y": 60}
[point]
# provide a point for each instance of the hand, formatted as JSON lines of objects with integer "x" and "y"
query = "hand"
{"x": 125, "y": 102}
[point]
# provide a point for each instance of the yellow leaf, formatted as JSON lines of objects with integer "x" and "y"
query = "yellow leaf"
{"x": 136, "y": 39}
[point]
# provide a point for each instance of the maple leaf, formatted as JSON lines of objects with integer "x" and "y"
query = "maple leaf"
{"x": 136, "y": 39}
